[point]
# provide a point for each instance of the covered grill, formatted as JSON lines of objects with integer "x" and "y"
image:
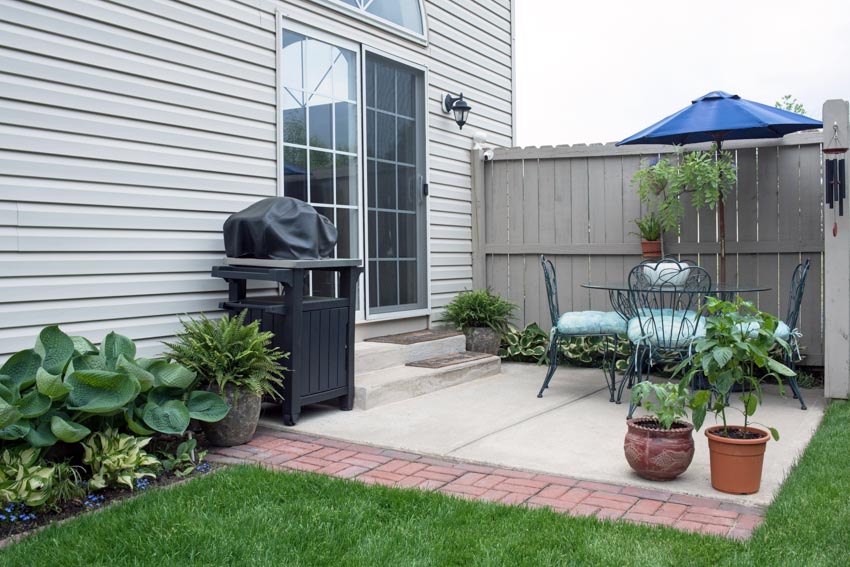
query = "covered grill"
{"x": 282, "y": 240}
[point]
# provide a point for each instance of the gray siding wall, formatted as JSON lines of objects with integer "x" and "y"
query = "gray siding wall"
{"x": 130, "y": 129}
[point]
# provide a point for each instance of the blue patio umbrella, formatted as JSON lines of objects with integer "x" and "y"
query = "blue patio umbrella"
{"x": 717, "y": 117}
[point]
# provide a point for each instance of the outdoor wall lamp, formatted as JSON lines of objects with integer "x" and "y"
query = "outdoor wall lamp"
{"x": 459, "y": 106}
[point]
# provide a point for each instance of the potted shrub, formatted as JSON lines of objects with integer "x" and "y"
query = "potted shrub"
{"x": 482, "y": 316}
{"x": 236, "y": 361}
{"x": 649, "y": 230}
{"x": 660, "y": 446}
{"x": 735, "y": 352}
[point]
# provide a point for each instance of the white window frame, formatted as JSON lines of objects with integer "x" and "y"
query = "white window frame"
{"x": 356, "y": 48}
{"x": 421, "y": 39}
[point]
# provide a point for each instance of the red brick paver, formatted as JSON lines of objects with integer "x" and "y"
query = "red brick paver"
{"x": 605, "y": 501}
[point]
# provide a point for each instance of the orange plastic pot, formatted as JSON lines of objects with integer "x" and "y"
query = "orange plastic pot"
{"x": 736, "y": 464}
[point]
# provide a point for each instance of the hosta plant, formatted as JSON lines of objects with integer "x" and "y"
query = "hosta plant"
{"x": 24, "y": 477}
{"x": 528, "y": 345}
{"x": 117, "y": 458}
{"x": 65, "y": 387}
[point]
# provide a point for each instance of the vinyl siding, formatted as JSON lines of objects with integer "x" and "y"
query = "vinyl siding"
{"x": 130, "y": 129}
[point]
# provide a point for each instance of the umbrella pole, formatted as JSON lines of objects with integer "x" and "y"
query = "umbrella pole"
{"x": 721, "y": 221}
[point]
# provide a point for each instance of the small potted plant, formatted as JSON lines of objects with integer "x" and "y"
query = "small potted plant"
{"x": 649, "y": 229}
{"x": 735, "y": 352}
{"x": 660, "y": 446}
{"x": 482, "y": 316}
{"x": 236, "y": 361}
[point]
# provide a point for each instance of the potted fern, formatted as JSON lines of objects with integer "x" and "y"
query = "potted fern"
{"x": 236, "y": 361}
{"x": 649, "y": 229}
{"x": 482, "y": 316}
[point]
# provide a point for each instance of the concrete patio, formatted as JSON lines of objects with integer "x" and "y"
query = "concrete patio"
{"x": 572, "y": 431}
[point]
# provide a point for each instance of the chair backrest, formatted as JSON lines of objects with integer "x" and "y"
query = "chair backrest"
{"x": 551, "y": 288}
{"x": 669, "y": 304}
{"x": 798, "y": 285}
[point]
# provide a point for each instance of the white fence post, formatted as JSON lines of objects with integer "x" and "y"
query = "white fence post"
{"x": 836, "y": 271}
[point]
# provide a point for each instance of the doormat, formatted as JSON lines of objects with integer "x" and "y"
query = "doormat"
{"x": 449, "y": 359}
{"x": 415, "y": 337}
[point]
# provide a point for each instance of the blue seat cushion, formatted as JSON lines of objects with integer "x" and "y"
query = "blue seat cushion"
{"x": 591, "y": 323}
{"x": 666, "y": 328}
{"x": 782, "y": 330}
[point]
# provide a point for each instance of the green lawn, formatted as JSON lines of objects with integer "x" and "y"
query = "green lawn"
{"x": 249, "y": 516}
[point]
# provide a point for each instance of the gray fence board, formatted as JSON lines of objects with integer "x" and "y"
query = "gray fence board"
{"x": 577, "y": 205}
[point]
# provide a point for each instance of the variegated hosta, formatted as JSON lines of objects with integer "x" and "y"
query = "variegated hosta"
{"x": 117, "y": 458}
{"x": 24, "y": 478}
{"x": 66, "y": 387}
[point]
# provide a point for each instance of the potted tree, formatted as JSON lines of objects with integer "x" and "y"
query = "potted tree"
{"x": 735, "y": 352}
{"x": 482, "y": 316}
{"x": 660, "y": 446}
{"x": 237, "y": 362}
{"x": 649, "y": 230}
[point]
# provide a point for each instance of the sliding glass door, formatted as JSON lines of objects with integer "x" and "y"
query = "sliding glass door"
{"x": 395, "y": 186}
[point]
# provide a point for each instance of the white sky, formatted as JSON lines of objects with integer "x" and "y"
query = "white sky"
{"x": 601, "y": 70}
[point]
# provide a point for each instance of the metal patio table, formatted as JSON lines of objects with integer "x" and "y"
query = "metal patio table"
{"x": 618, "y": 294}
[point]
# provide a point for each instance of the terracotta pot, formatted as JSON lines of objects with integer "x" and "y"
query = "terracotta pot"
{"x": 736, "y": 464}
{"x": 651, "y": 248}
{"x": 240, "y": 423}
{"x": 483, "y": 339}
{"x": 658, "y": 454}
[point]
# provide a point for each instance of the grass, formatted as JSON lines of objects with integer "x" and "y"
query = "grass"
{"x": 246, "y": 515}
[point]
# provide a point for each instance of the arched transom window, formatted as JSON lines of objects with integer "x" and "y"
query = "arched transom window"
{"x": 403, "y": 13}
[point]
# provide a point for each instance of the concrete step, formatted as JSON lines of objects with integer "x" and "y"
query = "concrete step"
{"x": 373, "y": 356}
{"x": 397, "y": 383}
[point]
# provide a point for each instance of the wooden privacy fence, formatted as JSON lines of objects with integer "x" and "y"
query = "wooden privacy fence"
{"x": 577, "y": 204}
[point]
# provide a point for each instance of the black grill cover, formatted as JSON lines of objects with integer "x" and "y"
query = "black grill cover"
{"x": 280, "y": 228}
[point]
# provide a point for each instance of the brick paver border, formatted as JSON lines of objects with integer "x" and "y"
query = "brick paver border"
{"x": 375, "y": 465}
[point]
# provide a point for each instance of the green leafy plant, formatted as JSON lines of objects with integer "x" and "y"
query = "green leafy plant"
{"x": 227, "y": 351}
{"x": 479, "y": 308}
{"x": 532, "y": 345}
{"x": 24, "y": 477}
{"x": 735, "y": 350}
{"x": 117, "y": 458}
{"x": 649, "y": 227}
{"x": 667, "y": 401}
{"x": 662, "y": 184}
{"x": 185, "y": 458}
{"x": 65, "y": 388}
{"x": 791, "y": 104}
{"x": 66, "y": 484}
{"x": 527, "y": 345}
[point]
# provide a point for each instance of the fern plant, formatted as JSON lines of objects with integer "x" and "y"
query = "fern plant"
{"x": 228, "y": 352}
{"x": 479, "y": 308}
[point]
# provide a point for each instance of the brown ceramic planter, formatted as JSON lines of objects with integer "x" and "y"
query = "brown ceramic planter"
{"x": 240, "y": 423}
{"x": 651, "y": 248}
{"x": 736, "y": 464}
{"x": 658, "y": 454}
{"x": 483, "y": 339}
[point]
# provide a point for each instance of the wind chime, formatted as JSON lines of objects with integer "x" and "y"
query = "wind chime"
{"x": 836, "y": 184}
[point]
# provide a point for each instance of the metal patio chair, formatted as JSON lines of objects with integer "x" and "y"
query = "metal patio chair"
{"x": 795, "y": 298}
{"x": 605, "y": 324}
{"x": 668, "y": 314}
